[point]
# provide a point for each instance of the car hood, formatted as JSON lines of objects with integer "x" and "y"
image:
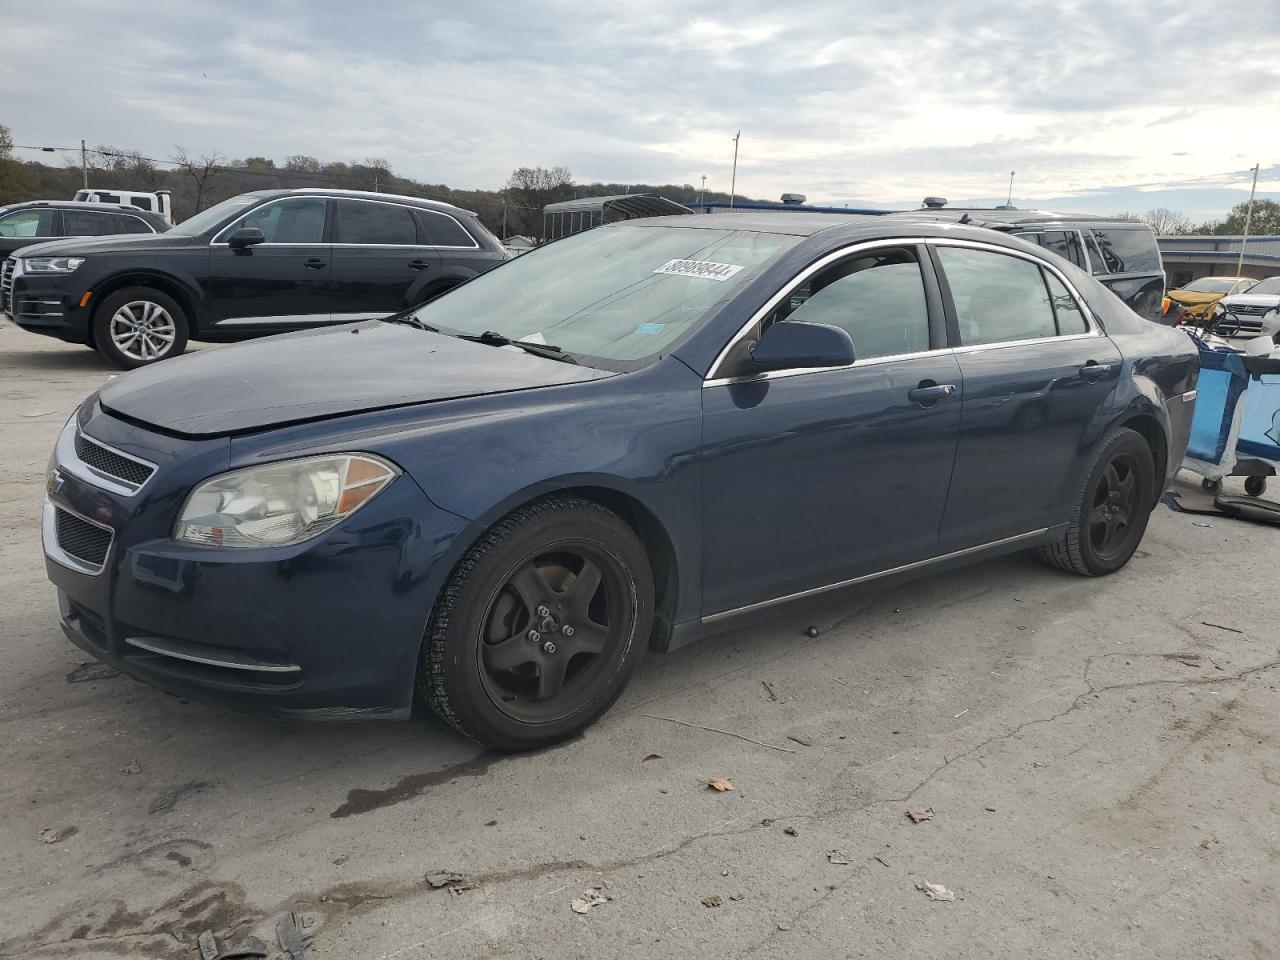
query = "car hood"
{"x": 328, "y": 372}
{"x": 1192, "y": 296}
{"x": 1252, "y": 300}
{"x": 121, "y": 243}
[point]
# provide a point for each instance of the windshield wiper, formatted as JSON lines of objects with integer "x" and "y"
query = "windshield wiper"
{"x": 411, "y": 320}
{"x": 493, "y": 339}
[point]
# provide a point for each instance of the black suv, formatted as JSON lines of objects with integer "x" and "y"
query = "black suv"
{"x": 1121, "y": 254}
{"x": 22, "y": 224}
{"x": 260, "y": 263}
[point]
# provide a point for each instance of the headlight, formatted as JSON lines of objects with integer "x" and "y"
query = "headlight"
{"x": 50, "y": 264}
{"x": 281, "y": 503}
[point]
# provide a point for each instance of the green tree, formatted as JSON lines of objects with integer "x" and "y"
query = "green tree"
{"x": 15, "y": 183}
{"x": 1265, "y": 222}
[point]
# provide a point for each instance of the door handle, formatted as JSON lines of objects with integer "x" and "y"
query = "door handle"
{"x": 928, "y": 393}
{"x": 419, "y": 264}
{"x": 1093, "y": 372}
{"x": 314, "y": 263}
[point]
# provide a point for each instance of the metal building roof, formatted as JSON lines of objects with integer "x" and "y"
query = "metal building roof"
{"x": 624, "y": 206}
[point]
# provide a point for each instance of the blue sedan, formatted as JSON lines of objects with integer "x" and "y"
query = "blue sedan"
{"x": 621, "y": 442}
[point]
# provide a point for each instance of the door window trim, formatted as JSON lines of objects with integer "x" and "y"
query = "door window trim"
{"x": 711, "y": 380}
{"x": 215, "y": 242}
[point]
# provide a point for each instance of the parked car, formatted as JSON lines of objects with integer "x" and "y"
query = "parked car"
{"x": 158, "y": 202}
{"x": 1253, "y": 313}
{"x": 627, "y": 439}
{"x": 261, "y": 263}
{"x": 37, "y": 221}
{"x": 1198, "y": 297}
{"x": 1122, "y": 254}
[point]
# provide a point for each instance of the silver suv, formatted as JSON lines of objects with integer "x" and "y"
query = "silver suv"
{"x": 1252, "y": 314}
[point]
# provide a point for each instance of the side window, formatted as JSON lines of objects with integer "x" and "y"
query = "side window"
{"x": 377, "y": 223}
{"x": 1070, "y": 317}
{"x": 1064, "y": 243}
{"x": 135, "y": 224}
{"x": 1128, "y": 250}
{"x": 27, "y": 223}
{"x": 1097, "y": 262}
{"x": 877, "y": 298}
{"x": 998, "y": 298}
{"x": 109, "y": 197}
{"x": 142, "y": 202}
{"x": 296, "y": 220}
{"x": 88, "y": 223}
{"x": 443, "y": 231}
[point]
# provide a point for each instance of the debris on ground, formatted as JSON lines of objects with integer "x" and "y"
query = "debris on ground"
{"x": 800, "y": 740}
{"x": 1186, "y": 659}
{"x": 652, "y": 756}
{"x": 712, "y": 901}
{"x": 736, "y": 897}
{"x": 989, "y": 809}
{"x": 784, "y": 925}
{"x": 245, "y": 949}
{"x": 773, "y": 697}
{"x": 208, "y": 946}
{"x": 720, "y": 784}
{"x": 447, "y": 878}
{"x": 919, "y": 816}
{"x": 178, "y": 935}
{"x": 290, "y": 936}
{"x": 590, "y": 898}
{"x": 1220, "y": 627}
{"x": 1216, "y": 664}
{"x": 936, "y": 891}
{"x": 791, "y": 831}
{"x": 811, "y": 631}
{"x": 881, "y": 859}
{"x": 837, "y": 857}
{"x": 48, "y": 835}
{"x": 132, "y": 767}
{"x": 966, "y": 709}
{"x": 1200, "y": 523}
{"x": 90, "y": 671}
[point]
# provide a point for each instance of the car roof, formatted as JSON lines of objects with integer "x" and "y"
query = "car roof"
{"x": 997, "y": 219}
{"x": 366, "y": 195}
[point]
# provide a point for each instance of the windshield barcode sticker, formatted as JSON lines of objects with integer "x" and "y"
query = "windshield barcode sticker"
{"x": 700, "y": 268}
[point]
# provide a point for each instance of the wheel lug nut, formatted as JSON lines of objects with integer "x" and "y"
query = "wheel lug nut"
{"x": 542, "y": 610}
{"x": 567, "y": 630}
{"x": 548, "y": 647}
{"x": 534, "y": 636}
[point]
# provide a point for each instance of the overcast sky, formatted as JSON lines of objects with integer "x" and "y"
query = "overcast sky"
{"x": 1105, "y": 106}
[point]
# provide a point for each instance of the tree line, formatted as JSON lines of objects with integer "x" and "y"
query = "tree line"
{"x": 1165, "y": 222}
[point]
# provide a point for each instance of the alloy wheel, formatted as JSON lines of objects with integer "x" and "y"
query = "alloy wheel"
{"x": 143, "y": 330}
{"x": 1117, "y": 498}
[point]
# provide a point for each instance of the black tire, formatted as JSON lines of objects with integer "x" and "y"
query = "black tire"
{"x": 159, "y": 327}
{"x": 1210, "y": 486}
{"x": 1110, "y": 516}
{"x": 481, "y": 672}
{"x": 1255, "y": 486}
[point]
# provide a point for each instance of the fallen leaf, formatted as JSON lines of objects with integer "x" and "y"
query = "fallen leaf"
{"x": 720, "y": 784}
{"x": 784, "y": 925}
{"x": 652, "y": 756}
{"x": 838, "y": 858}
{"x": 584, "y": 903}
{"x": 711, "y": 901}
{"x": 936, "y": 891}
{"x": 918, "y": 816}
{"x": 57, "y": 836}
{"x": 444, "y": 878}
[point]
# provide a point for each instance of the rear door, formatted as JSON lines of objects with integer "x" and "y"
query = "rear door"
{"x": 380, "y": 259}
{"x": 277, "y": 285}
{"x": 90, "y": 223}
{"x": 1037, "y": 374}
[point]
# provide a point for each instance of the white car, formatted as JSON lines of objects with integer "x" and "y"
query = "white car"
{"x": 1252, "y": 314}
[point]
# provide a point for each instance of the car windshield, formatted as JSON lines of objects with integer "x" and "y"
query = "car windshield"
{"x": 619, "y": 294}
{"x": 1211, "y": 285}
{"x": 1271, "y": 286}
{"x": 207, "y": 220}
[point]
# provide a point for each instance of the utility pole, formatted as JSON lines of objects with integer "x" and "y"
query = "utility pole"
{"x": 703, "y": 191}
{"x": 84, "y": 164}
{"x": 1008, "y": 202}
{"x": 504, "y": 216}
{"x": 733, "y": 182}
{"x": 1248, "y": 219}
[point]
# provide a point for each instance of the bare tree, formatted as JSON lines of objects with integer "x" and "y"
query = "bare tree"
{"x": 199, "y": 170}
{"x": 1165, "y": 222}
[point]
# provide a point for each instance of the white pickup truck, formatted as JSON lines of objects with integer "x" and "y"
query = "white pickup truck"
{"x": 157, "y": 202}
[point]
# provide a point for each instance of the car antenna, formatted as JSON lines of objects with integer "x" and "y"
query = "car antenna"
{"x": 965, "y": 218}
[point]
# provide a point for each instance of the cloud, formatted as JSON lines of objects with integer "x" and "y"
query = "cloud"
{"x": 838, "y": 100}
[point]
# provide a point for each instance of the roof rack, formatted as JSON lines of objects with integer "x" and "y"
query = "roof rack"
{"x": 374, "y": 195}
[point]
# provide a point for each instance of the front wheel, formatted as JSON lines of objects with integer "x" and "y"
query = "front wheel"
{"x": 1112, "y": 510}
{"x": 540, "y": 626}
{"x": 137, "y": 326}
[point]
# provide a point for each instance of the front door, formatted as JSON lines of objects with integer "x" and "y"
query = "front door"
{"x": 277, "y": 285}
{"x": 816, "y": 477}
{"x": 1036, "y": 377}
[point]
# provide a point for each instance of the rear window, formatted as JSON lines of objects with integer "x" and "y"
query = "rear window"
{"x": 1128, "y": 250}
{"x": 143, "y": 203}
{"x": 444, "y": 231}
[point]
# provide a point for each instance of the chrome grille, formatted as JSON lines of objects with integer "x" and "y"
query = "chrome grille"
{"x": 1250, "y": 309}
{"x": 6, "y": 286}
{"x": 82, "y": 540}
{"x": 113, "y": 464}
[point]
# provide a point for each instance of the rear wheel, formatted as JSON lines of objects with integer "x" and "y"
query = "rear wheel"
{"x": 1111, "y": 513}
{"x": 137, "y": 326}
{"x": 540, "y": 626}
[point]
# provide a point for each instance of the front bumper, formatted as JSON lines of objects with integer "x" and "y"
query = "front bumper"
{"x": 48, "y": 304}
{"x": 327, "y": 629}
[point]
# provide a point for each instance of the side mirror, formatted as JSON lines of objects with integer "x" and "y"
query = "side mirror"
{"x": 245, "y": 237}
{"x": 790, "y": 344}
